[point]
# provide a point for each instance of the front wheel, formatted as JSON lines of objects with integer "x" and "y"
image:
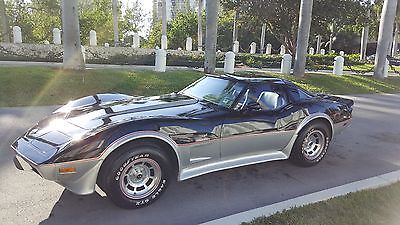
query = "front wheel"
{"x": 311, "y": 145}
{"x": 137, "y": 176}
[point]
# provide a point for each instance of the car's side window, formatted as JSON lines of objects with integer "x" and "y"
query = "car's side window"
{"x": 266, "y": 96}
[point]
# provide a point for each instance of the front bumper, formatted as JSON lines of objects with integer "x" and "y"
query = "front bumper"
{"x": 81, "y": 182}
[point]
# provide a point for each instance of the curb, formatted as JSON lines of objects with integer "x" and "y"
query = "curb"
{"x": 370, "y": 183}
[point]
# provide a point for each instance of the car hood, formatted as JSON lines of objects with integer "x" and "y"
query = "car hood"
{"x": 90, "y": 115}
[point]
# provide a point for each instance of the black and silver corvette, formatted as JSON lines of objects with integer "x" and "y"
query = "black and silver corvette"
{"x": 131, "y": 147}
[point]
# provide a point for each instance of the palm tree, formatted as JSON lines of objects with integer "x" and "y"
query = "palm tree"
{"x": 211, "y": 35}
{"x": 164, "y": 17}
{"x": 385, "y": 36}
{"x": 303, "y": 36}
{"x": 200, "y": 26}
{"x": 4, "y": 29}
{"x": 115, "y": 22}
{"x": 73, "y": 58}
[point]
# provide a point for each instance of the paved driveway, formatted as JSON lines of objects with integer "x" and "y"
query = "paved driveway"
{"x": 371, "y": 146}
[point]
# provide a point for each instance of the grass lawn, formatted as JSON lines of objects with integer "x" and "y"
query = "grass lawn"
{"x": 24, "y": 86}
{"x": 370, "y": 207}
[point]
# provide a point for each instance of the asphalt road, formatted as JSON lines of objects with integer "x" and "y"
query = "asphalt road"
{"x": 370, "y": 147}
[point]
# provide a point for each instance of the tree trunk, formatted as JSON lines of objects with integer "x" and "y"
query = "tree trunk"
{"x": 364, "y": 38}
{"x": 385, "y": 36}
{"x": 164, "y": 18}
{"x": 4, "y": 29}
{"x": 395, "y": 40}
{"x": 211, "y": 35}
{"x": 115, "y": 22}
{"x": 262, "y": 42}
{"x": 200, "y": 26}
{"x": 235, "y": 29}
{"x": 303, "y": 36}
{"x": 73, "y": 58}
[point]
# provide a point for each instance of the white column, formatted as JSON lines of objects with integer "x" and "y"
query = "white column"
{"x": 268, "y": 51}
{"x": 386, "y": 69}
{"x": 341, "y": 53}
{"x": 189, "y": 44}
{"x": 92, "y": 38}
{"x": 283, "y": 50}
{"x": 56, "y": 36}
{"x": 311, "y": 51}
{"x": 236, "y": 47}
{"x": 17, "y": 35}
{"x": 322, "y": 51}
{"x": 106, "y": 45}
{"x": 164, "y": 42}
{"x": 161, "y": 60}
{"x": 253, "y": 48}
{"x": 338, "y": 65}
{"x": 135, "y": 40}
{"x": 286, "y": 64}
{"x": 229, "y": 65}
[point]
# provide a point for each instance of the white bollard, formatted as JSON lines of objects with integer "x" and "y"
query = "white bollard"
{"x": 341, "y": 53}
{"x": 268, "y": 51}
{"x": 56, "y": 36}
{"x": 92, "y": 38}
{"x": 161, "y": 60}
{"x": 46, "y": 42}
{"x": 106, "y": 45}
{"x": 322, "y": 51}
{"x": 311, "y": 51}
{"x": 164, "y": 42}
{"x": 17, "y": 35}
{"x": 229, "y": 64}
{"x": 386, "y": 70}
{"x": 338, "y": 66}
{"x": 253, "y": 48}
{"x": 189, "y": 44}
{"x": 136, "y": 40}
{"x": 283, "y": 50}
{"x": 286, "y": 64}
{"x": 236, "y": 46}
{"x": 179, "y": 49}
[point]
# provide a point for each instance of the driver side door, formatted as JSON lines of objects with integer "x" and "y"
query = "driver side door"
{"x": 257, "y": 128}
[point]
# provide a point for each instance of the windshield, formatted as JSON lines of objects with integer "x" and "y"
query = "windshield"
{"x": 222, "y": 92}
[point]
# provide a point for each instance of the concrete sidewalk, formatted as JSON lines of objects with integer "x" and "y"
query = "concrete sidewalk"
{"x": 248, "y": 216}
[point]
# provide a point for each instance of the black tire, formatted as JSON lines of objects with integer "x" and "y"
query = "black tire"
{"x": 302, "y": 149}
{"x": 123, "y": 172}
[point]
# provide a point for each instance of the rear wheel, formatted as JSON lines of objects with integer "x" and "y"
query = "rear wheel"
{"x": 311, "y": 145}
{"x": 136, "y": 175}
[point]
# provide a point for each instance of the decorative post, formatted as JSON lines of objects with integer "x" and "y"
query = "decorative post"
{"x": 106, "y": 45}
{"x": 322, "y": 51}
{"x": 283, "y": 50}
{"x": 92, "y": 38}
{"x": 311, "y": 51}
{"x": 135, "y": 40}
{"x": 253, "y": 48}
{"x": 268, "y": 51}
{"x": 341, "y": 53}
{"x": 189, "y": 44}
{"x": 338, "y": 65}
{"x": 319, "y": 40}
{"x": 56, "y": 36}
{"x": 229, "y": 65}
{"x": 17, "y": 35}
{"x": 286, "y": 64}
{"x": 200, "y": 26}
